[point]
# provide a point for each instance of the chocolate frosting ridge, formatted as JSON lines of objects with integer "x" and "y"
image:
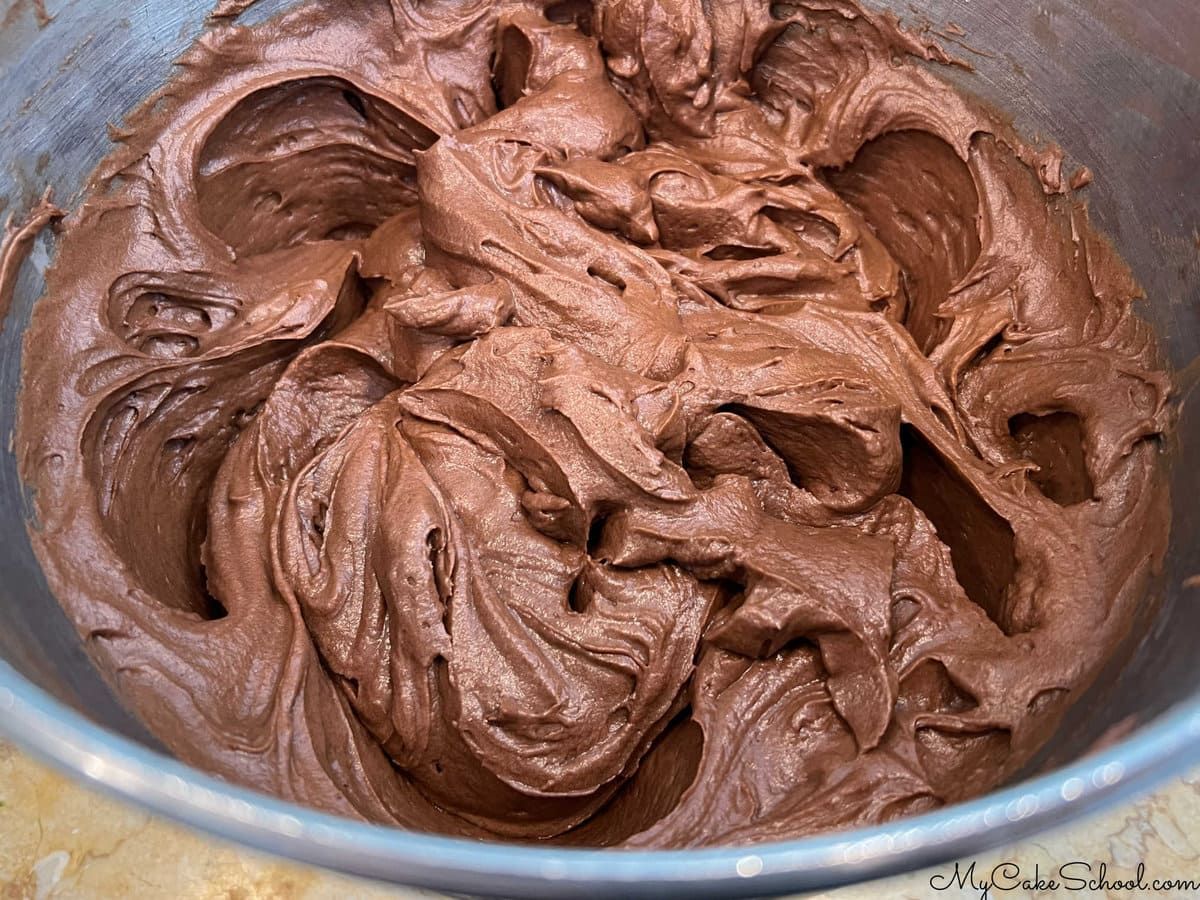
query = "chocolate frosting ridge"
{"x": 647, "y": 423}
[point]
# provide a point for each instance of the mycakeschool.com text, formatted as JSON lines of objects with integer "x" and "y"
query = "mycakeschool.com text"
{"x": 1068, "y": 878}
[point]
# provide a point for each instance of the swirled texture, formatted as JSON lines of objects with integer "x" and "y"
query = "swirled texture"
{"x": 658, "y": 423}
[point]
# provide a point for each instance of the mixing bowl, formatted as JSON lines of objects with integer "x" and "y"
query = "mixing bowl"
{"x": 1117, "y": 82}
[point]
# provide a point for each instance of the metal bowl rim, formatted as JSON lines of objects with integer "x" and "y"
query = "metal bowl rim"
{"x": 117, "y": 765}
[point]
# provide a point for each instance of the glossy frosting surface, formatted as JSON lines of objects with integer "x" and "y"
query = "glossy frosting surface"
{"x": 656, "y": 424}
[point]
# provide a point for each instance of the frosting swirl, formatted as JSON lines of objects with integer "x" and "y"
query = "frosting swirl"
{"x": 657, "y": 423}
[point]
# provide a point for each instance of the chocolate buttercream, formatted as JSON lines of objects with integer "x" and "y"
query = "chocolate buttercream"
{"x": 654, "y": 423}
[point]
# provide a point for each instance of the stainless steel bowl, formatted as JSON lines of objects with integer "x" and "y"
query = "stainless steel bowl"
{"x": 1116, "y": 82}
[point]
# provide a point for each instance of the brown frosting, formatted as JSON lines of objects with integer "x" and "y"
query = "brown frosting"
{"x": 660, "y": 424}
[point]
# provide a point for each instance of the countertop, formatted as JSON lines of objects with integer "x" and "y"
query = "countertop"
{"x": 58, "y": 840}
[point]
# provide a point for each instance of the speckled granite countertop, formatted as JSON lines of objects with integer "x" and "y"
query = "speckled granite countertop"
{"x": 58, "y": 840}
